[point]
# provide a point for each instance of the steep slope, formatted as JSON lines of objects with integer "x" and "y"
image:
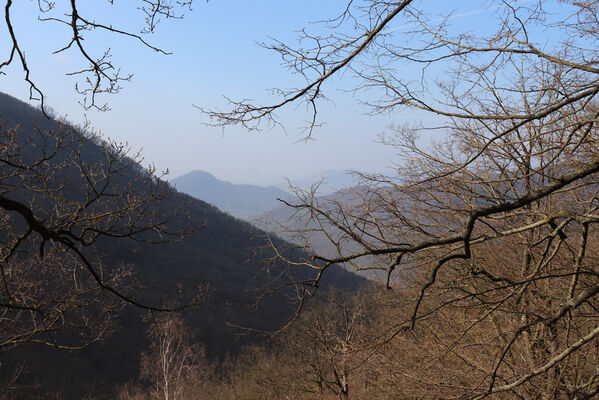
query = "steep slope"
{"x": 227, "y": 254}
{"x": 239, "y": 200}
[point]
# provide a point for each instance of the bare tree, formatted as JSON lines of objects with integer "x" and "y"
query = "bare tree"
{"x": 330, "y": 345}
{"x": 63, "y": 189}
{"x": 323, "y": 355}
{"x": 58, "y": 196}
{"x": 100, "y": 76}
{"x": 60, "y": 193}
{"x": 495, "y": 221}
{"x": 174, "y": 367}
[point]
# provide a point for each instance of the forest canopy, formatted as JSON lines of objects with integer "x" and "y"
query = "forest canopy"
{"x": 490, "y": 222}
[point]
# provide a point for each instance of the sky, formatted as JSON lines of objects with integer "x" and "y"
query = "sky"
{"x": 214, "y": 54}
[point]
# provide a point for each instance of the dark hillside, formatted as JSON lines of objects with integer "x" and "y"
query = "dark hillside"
{"x": 226, "y": 253}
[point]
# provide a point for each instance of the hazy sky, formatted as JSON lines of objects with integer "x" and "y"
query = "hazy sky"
{"x": 214, "y": 54}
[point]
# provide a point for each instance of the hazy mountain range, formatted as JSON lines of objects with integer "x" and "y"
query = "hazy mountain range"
{"x": 259, "y": 205}
{"x": 241, "y": 201}
{"x": 247, "y": 201}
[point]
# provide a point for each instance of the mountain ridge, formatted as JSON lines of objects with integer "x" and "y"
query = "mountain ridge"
{"x": 240, "y": 200}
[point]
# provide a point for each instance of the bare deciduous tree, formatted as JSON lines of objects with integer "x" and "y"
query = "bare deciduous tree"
{"x": 492, "y": 220}
{"x": 99, "y": 76}
{"x": 60, "y": 193}
{"x": 63, "y": 189}
{"x": 174, "y": 367}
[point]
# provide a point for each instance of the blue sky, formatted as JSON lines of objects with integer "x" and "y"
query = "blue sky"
{"x": 214, "y": 54}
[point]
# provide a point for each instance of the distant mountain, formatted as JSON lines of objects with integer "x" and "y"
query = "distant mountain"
{"x": 294, "y": 226}
{"x": 227, "y": 254}
{"x": 240, "y": 201}
{"x": 328, "y": 181}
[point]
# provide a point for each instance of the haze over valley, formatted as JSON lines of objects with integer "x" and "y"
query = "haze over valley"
{"x": 249, "y": 201}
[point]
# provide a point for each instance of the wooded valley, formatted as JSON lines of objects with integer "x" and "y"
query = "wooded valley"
{"x": 483, "y": 238}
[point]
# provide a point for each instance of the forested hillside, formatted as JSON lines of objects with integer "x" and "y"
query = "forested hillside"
{"x": 486, "y": 226}
{"x": 225, "y": 257}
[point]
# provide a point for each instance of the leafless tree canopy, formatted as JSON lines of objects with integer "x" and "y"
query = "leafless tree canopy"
{"x": 99, "y": 76}
{"x": 174, "y": 366}
{"x": 491, "y": 219}
{"x": 63, "y": 188}
{"x": 59, "y": 195}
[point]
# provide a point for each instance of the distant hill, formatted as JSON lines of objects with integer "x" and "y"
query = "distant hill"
{"x": 328, "y": 181}
{"x": 294, "y": 226}
{"x": 240, "y": 201}
{"x": 226, "y": 253}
